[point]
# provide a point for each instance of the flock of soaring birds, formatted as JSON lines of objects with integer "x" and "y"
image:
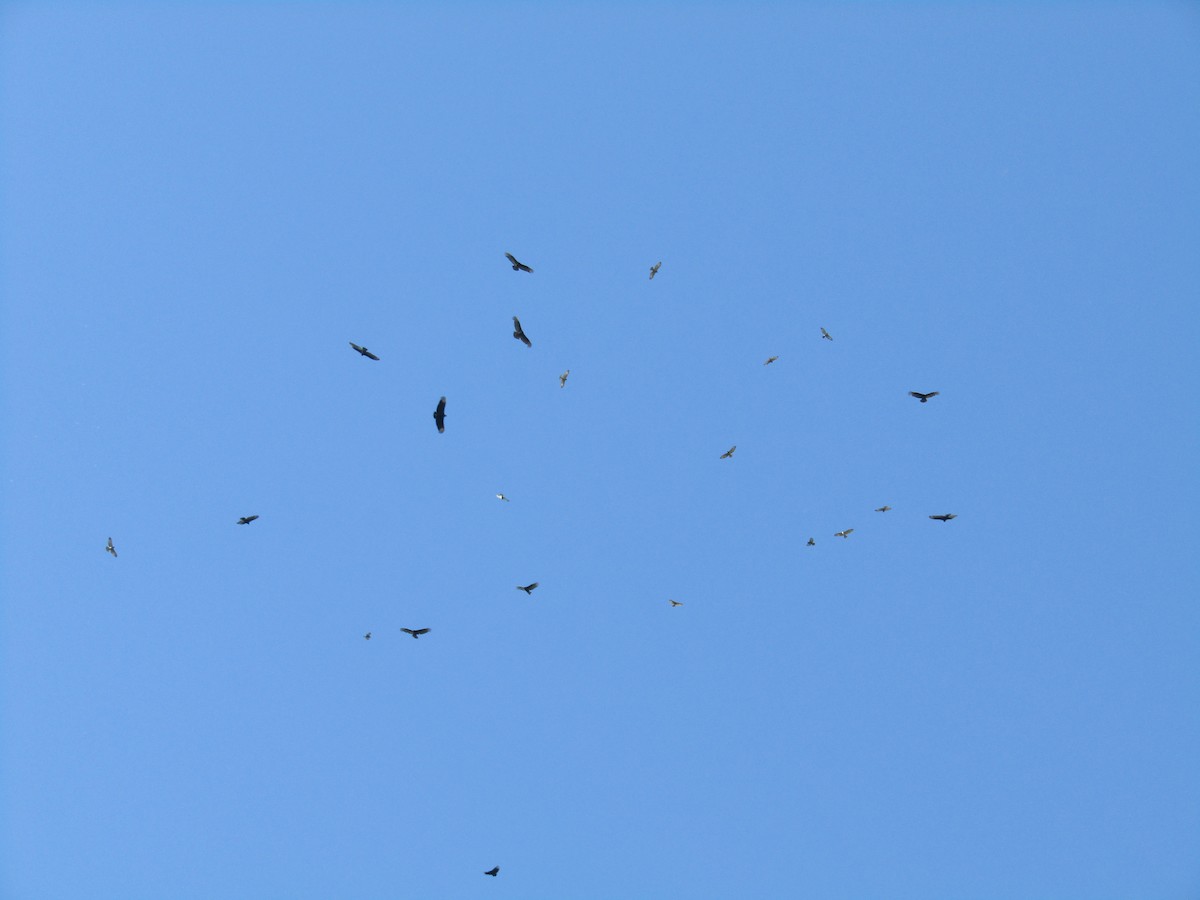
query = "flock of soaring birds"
{"x": 439, "y": 418}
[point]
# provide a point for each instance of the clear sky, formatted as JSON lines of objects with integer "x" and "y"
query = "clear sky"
{"x": 203, "y": 204}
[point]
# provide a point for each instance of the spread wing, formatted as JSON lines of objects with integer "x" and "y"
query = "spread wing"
{"x": 356, "y": 347}
{"x": 369, "y": 355}
{"x": 519, "y": 332}
{"x": 421, "y": 631}
{"x": 439, "y": 415}
{"x": 517, "y": 264}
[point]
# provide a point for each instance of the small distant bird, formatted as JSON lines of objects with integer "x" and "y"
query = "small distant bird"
{"x": 654, "y": 269}
{"x": 770, "y": 359}
{"x": 367, "y": 636}
{"x": 811, "y": 542}
{"x": 246, "y": 520}
{"x": 501, "y": 497}
{"x": 519, "y": 334}
{"x": 439, "y": 415}
{"x": 729, "y": 453}
{"x": 946, "y": 518}
{"x": 826, "y": 335}
{"x": 675, "y": 602}
{"x": 517, "y": 265}
{"x": 493, "y": 872}
{"x": 883, "y": 509}
{"x": 844, "y": 534}
{"x": 562, "y": 379}
{"x": 528, "y": 589}
{"x": 364, "y": 351}
{"x": 111, "y": 549}
{"x": 417, "y": 633}
{"x": 924, "y": 398}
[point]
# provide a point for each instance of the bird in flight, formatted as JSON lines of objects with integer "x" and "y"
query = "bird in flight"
{"x": 517, "y": 265}
{"x": 439, "y": 415}
{"x": 770, "y": 359}
{"x": 111, "y": 549}
{"x": 415, "y": 633}
{"x": 883, "y": 509}
{"x": 519, "y": 334}
{"x": 246, "y": 520}
{"x": 501, "y": 497}
{"x": 811, "y": 542}
{"x": 654, "y": 269}
{"x": 364, "y": 351}
{"x": 675, "y": 603}
{"x": 493, "y": 871}
{"x": 843, "y": 534}
{"x": 528, "y": 589}
{"x": 826, "y": 335}
{"x": 367, "y": 636}
{"x": 562, "y": 379}
{"x": 729, "y": 453}
{"x": 924, "y": 398}
{"x": 946, "y": 518}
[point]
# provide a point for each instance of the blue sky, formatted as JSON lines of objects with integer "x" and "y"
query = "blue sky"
{"x": 203, "y": 204}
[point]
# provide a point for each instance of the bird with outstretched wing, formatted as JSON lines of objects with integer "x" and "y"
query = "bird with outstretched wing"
{"x": 364, "y": 351}
{"x": 826, "y": 335}
{"x": 770, "y": 359}
{"x": 844, "y": 534}
{"x": 246, "y": 520}
{"x": 883, "y": 509}
{"x": 945, "y": 518}
{"x": 654, "y": 269}
{"x": 924, "y": 398}
{"x": 528, "y": 589}
{"x": 439, "y": 415}
{"x": 517, "y": 265}
{"x": 111, "y": 549}
{"x": 415, "y": 632}
{"x": 562, "y": 379}
{"x": 728, "y": 454}
{"x": 519, "y": 333}
{"x": 493, "y": 871}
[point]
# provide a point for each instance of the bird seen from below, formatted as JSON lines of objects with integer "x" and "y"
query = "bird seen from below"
{"x": 654, "y": 269}
{"x": 364, "y": 351}
{"x": 924, "y": 398}
{"x": 416, "y": 633}
{"x": 883, "y": 509}
{"x": 367, "y": 636}
{"x": 844, "y": 534}
{"x": 811, "y": 542}
{"x": 517, "y": 265}
{"x": 439, "y": 415}
{"x": 770, "y": 359}
{"x": 501, "y": 497}
{"x": 493, "y": 872}
{"x": 945, "y": 518}
{"x": 562, "y": 379}
{"x": 826, "y": 335}
{"x": 528, "y": 589}
{"x": 675, "y": 603}
{"x": 111, "y": 549}
{"x": 519, "y": 333}
{"x": 246, "y": 520}
{"x": 728, "y": 454}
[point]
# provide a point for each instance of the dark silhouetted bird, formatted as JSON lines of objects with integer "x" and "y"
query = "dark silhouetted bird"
{"x": 946, "y": 518}
{"x": 562, "y": 379}
{"x": 924, "y": 398}
{"x": 654, "y": 269}
{"x": 826, "y": 335}
{"x": 811, "y": 542}
{"x": 675, "y": 602}
{"x": 883, "y": 509}
{"x": 528, "y": 588}
{"x": 246, "y": 520}
{"x": 770, "y": 359}
{"x": 494, "y": 872}
{"x": 367, "y": 636}
{"x": 729, "y": 453}
{"x": 415, "y": 633}
{"x": 519, "y": 334}
{"x": 517, "y": 265}
{"x": 844, "y": 534}
{"x": 364, "y": 351}
{"x": 111, "y": 549}
{"x": 439, "y": 415}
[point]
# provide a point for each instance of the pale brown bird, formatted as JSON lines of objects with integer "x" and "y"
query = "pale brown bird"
{"x": 111, "y": 549}
{"x": 502, "y": 497}
{"x": 654, "y": 269}
{"x": 562, "y": 379}
{"x": 844, "y": 534}
{"x": 826, "y": 335}
{"x": 729, "y": 453}
{"x": 770, "y": 359}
